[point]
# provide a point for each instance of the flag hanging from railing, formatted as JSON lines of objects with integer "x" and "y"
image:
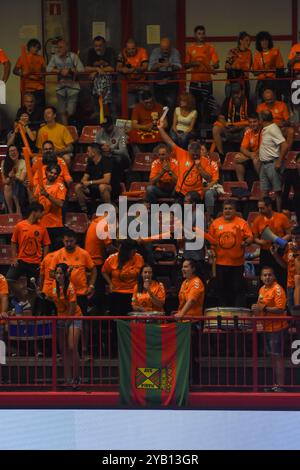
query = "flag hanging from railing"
{"x": 154, "y": 363}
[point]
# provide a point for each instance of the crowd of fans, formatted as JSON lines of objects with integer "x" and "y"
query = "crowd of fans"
{"x": 76, "y": 275}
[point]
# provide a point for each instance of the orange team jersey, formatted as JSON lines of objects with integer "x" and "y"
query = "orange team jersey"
{"x": 273, "y": 296}
{"x": 293, "y": 53}
{"x": 79, "y": 261}
{"x": 142, "y": 299}
{"x": 229, "y": 236}
{"x": 3, "y": 291}
{"x": 279, "y": 111}
{"x": 206, "y": 55}
{"x": 278, "y": 223}
{"x": 33, "y": 64}
{"x": 211, "y": 167}
{"x": 30, "y": 239}
{"x": 269, "y": 60}
{"x": 58, "y": 134}
{"x": 166, "y": 181}
{"x": 250, "y": 140}
{"x": 189, "y": 178}
{"x": 137, "y": 60}
{"x": 289, "y": 257}
{"x": 242, "y": 60}
{"x": 94, "y": 245}
{"x": 123, "y": 280}
{"x": 45, "y": 274}
{"x": 192, "y": 289}
{"x": 63, "y": 303}
{"x": 3, "y": 57}
{"x": 145, "y": 116}
{"x": 53, "y": 213}
{"x": 63, "y": 177}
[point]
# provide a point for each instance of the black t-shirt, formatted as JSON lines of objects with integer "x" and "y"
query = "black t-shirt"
{"x": 106, "y": 59}
{"x": 98, "y": 170}
{"x": 36, "y": 118}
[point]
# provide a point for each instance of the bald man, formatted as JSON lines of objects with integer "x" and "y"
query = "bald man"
{"x": 165, "y": 61}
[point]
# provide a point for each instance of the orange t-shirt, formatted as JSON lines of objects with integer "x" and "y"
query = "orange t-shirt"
{"x": 289, "y": 257}
{"x": 33, "y": 64}
{"x": 273, "y": 296}
{"x": 229, "y": 236}
{"x": 3, "y": 291}
{"x": 45, "y": 273}
{"x": 63, "y": 177}
{"x": 80, "y": 261}
{"x": 145, "y": 116}
{"x": 63, "y": 303}
{"x": 94, "y": 245}
{"x": 206, "y": 55}
{"x": 137, "y": 60}
{"x": 269, "y": 60}
{"x": 30, "y": 239}
{"x": 142, "y": 299}
{"x": 123, "y": 280}
{"x": 166, "y": 181}
{"x": 279, "y": 111}
{"x": 278, "y": 223}
{"x": 53, "y": 213}
{"x": 189, "y": 178}
{"x": 250, "y": 140}
{"x": 211, "y": 167}
{"x": 192, "y": 289}
{"x": 292, "y": 55}
{"x": 3, "y": 57}
{"x": 242, "y": 59}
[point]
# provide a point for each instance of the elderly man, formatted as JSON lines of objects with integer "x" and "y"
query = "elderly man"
{"x": 163, "y": 175}
{"x": 164, "y": 61}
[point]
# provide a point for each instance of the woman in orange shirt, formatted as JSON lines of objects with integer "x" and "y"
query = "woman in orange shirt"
{"x": 266, "y": 58}
{"x": 191, "y": 294}
{"x": 64, "y": 297}
{"x": 121, "y": 271}
{"x": 238, "y": 63}
{"x": 148, "y": 294}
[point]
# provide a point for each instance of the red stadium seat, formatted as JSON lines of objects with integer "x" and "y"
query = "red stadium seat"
{"x": 5, "y": 255}
{"x": 77, "y": 221}
{"x": 142, "y": 162}
{"x": 138, "y": 186}
{"x": 73, "y": 132}
{"x": 80, "y": 162}
{"x": 88, "y": 135}
{"x": 228, "y": 164}
{"x": 163, "y": 249}
{"x": 8, "y": 223}
{"x": 228, "y": 185}
{"x": 290, "y": 161}
{"x": 3, "y": 152}
{"x": 297, "y": 132}
{"x": 216, "y": 158}
{"x": 72, "y": 195}
{"x": 256, "y": 193}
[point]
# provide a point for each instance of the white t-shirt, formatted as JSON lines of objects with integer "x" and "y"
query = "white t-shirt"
{"x": 271, "y": 139}
{"x": 184, "y": 122}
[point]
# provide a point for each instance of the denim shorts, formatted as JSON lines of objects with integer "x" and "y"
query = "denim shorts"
{"x": 69, "y": 323}
{"x": 274, "y": 343}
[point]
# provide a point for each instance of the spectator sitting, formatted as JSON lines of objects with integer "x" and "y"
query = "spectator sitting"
{"x": 28, "y": 66}
{"x": 267, "y": 60}
{"x": 184, "y": 120}
{"x": 101, "y": 63}
{"x": 4, "y": 60}
{"x": 163, "y": 175}
{"x": 148, "y": 294}
{"x": 57, "y": 133}
{"x": 239, "y": 63}
{"x": 248, "y": 155}
{"x": 280, "y": 115}
{"x": 165, "y": 60}
{"x": 34, "y": 111}
{"x": 67, "y": 65}
{"x": 210, "y": 187}
{"x": 14, "y": 137}
{"x": 232, "y": 120}
{"x": 49, "y": 157}
{"x": 13, "y": 170}
{"x": 96, "y": 179}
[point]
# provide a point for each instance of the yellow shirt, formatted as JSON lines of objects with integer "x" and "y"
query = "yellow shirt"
{"x": 59, "y": 135}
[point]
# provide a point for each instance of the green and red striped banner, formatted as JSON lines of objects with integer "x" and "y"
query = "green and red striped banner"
{"x": 154, "y": 363}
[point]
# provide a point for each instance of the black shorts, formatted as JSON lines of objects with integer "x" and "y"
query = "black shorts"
{"x": 23, "y": 269}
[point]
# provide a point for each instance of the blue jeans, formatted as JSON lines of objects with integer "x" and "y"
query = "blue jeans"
{"x": 290, "y": 298}
{"x": 210, "y": 198}
{"x": 182, "y": 139}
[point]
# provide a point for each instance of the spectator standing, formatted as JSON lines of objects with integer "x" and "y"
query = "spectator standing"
{"x": 13, "y": 170}
{"x": 238, "y": 65}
